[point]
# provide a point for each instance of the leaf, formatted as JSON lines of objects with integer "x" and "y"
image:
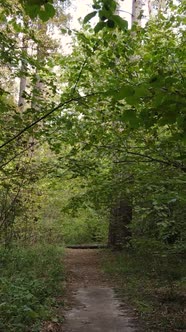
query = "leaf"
{"x": 32, "y": 11}
{"x": 17, "y": 27}
{"x": 89, "y": 17}
{"x": 43, "y": 15}
{"x": 48, "y": 13}
{"x": 103, "y": 15}
{"x": 121, "y": 23}
{"x": 158, "y": 99}
{"x": 63, "y": 30}
{"x": 111, "y": 24}
{"x": 99, "y": 26}
{"x": 50, "y": 10}
{"x": 141, "y": 91}
{"x": 130, "y": 117}
{"x": 124, "y": 91}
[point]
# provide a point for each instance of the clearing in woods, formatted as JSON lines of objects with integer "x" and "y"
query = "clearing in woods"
{"x": 91, "y": 303}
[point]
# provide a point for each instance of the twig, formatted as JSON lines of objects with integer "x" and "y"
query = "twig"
{"x": 18, "y": 154}
{"x": 150, "y": 158}
{"x": 79, "y": 75}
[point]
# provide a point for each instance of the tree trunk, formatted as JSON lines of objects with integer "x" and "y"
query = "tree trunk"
{"x": 23, "y": 81}
{"x": 149, "y": 3}
{"x": 161, "y": 5}
{"x": 137, "y": 6}
{"x": 120, "y": 219}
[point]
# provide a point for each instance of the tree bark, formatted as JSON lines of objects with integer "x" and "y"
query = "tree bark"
{"x": 23, "y": 81}
{"x": 137, "y": 6}
{"x": 161, "y": 5}
{"x": 120, "y": 219}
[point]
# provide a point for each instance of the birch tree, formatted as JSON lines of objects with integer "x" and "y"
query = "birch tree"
{"x": 137, "y": 11}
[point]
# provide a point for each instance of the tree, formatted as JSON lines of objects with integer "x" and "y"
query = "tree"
{"x": 22, "y": 48}
{"x": 137, "y": 10}
{"x": 124, "y": 112}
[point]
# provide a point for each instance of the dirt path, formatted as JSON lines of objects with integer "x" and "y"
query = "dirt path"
{"x": 91, "y": 304}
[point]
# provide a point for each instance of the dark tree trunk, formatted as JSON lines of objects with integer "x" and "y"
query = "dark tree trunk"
{"x": 120, "y": 219}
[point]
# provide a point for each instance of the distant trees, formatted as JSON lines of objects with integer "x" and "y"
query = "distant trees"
{"x": 22, "y": 102}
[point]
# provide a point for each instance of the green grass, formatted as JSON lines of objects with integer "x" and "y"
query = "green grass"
{"x": 153, "y": 284}
{"x": 30, "y": 279}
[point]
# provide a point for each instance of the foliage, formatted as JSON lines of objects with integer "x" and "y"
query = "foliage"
{"x": 87, "y": 227}
{"x": 69, "y": 221}
{"x": 126, "y": 130}
{"x": 41, "y": 9}
{"x": 30, "y": 281}
{"x": 25, "y": 60}
{"x": 107, "y": 17}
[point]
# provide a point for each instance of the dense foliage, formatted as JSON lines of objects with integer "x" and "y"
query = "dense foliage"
{"x": 126, "y": 130}
{"x": 31, "y": 279}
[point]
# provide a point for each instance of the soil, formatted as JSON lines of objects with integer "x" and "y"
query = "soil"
{"x": 91, "y": 305}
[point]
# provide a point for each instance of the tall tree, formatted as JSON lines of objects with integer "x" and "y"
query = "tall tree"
{"x": 137, "y": 11}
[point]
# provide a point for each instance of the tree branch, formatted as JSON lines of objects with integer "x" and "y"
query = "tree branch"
{"x": 18, "y": 154}
{"x": 79, "y": 75}
{"x": 150, "y": 158}
{"x": 45, "y": 116}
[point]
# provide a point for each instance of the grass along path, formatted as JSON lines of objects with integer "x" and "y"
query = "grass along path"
{"x": 153, "y": 284}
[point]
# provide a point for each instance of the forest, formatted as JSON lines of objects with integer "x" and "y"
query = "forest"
{"x": 92, "y": 152}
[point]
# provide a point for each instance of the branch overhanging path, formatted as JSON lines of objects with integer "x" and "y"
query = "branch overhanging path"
{"x": 61, "y": 105}
{"x": 76, "y": 99}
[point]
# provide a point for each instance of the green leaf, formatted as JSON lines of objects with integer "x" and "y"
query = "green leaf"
{"x": 124, "y": 91}
{"x": 43, "y": 16}
{"x": 121, "y": 23}
{"x": 141, "y": 91}
{"x": 99, "y": 26}
{"x": 130, "y": 117}
{"x": 111, "y": 24}
{"x": 48, "y": 13}
{"x": 89, "y": 17}
{"x": 50, "y": 10}
{"x": 103, "y": 15}
{"x": 158, "y": 99}
{"x": 32, "y": 11}
{"x": 17, "y": 27}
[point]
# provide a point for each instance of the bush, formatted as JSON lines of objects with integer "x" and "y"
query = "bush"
{"x": 29, "y": 283}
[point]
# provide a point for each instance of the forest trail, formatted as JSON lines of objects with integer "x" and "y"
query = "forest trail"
{"x": 92, "y": 305}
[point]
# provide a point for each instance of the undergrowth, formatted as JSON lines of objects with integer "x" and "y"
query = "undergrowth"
{"x": 30, "y": 280}
{"x": 155, "y": 286}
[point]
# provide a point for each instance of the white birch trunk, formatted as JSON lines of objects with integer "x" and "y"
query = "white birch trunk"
{"x": 161, "y": 5}
{"x": 23, "y": 81}
{"x": 137, "y": 9}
